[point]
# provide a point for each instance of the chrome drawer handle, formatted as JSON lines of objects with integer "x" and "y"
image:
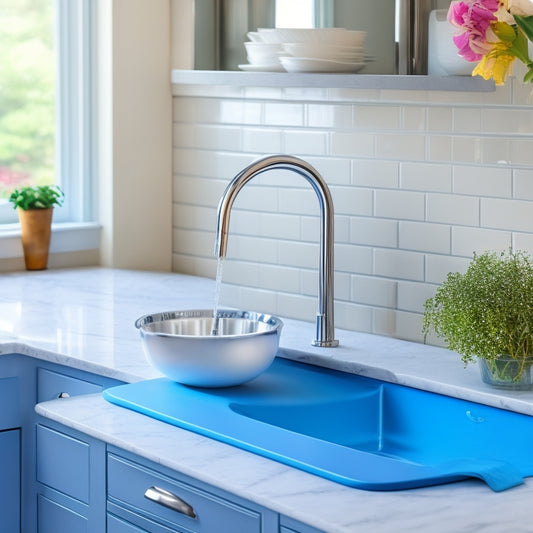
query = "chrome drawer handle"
{"x": 167, "y": 499}
{"x": 63, "y": 395}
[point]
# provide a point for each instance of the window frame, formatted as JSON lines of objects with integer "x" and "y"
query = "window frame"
{"x": 75, "y": 83}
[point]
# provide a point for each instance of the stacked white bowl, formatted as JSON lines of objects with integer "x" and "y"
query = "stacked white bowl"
{"x": 306, "y": 50}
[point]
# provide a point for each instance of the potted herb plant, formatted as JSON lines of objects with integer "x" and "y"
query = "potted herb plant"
{"x": 35, "y": 206}
{"x": 487, "y": 314}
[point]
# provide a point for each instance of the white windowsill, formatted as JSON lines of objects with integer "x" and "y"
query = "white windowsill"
{"x": 66, "y": 237}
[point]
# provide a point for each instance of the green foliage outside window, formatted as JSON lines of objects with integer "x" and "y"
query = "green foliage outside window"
{"x": 27, "y": 79}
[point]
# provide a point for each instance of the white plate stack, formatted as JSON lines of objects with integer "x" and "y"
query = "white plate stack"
{"x": 306, "y": 50}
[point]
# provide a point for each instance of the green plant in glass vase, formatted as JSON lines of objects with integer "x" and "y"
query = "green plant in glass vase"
{"x": 487, "y": 314}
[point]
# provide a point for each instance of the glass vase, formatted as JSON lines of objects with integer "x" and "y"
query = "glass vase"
{"x": 507, "y": 373}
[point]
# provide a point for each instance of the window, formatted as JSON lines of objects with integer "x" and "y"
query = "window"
{"x": 295, "y": 14}
{"x": 45, "y": 100}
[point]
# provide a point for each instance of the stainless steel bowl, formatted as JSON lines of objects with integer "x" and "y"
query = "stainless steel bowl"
{"x": 183, "y": 346}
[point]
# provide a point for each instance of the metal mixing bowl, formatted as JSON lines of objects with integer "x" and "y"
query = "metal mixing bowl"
{"x": 183, "y": 346}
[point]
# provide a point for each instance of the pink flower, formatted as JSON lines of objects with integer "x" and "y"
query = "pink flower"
{"x": 473, "y": 18}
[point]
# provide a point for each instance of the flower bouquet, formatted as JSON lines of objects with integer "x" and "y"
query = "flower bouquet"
{"x": 493, "y": 33}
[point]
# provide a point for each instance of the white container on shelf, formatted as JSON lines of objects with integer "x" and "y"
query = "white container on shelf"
{"x": 443, "y": 59}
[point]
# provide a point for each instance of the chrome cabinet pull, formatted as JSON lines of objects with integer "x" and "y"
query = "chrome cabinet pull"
{"x": 63, "y": 395}
{"x": 167, "y": 499}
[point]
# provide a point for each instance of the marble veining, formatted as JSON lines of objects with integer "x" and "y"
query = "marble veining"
{"x": 84, "y": 318}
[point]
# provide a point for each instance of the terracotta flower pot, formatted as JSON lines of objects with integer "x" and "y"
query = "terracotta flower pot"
{"x": 36, "y": 228}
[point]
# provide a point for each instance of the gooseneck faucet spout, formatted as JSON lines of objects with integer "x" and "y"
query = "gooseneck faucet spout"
{"x": 325, "y": 328}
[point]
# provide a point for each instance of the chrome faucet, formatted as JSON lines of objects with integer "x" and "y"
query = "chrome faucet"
{"x": 325, "y": 328}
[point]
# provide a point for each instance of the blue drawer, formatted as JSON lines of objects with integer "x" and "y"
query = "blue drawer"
{"x": 52, "y": 385}
{"x": 128, "y": 483}
{"x": 63, "y": 463}
{"x": 55, "y": 518}
{"x": 136, "y": 524}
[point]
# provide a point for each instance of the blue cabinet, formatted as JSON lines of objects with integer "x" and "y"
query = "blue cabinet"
{"x": 54, "y": 479}
{"x": 70, "y": 481}
{"x": 155, "y": 499}
{"x": 9, "y": 480}
{"x": 40, "y": 489}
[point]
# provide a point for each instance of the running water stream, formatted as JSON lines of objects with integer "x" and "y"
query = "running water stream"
{"x": 218, "y": 283}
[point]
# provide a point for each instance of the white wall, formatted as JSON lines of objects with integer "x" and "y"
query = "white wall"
{"x": 419, "y": 181}
{"x": 134, "y": 134}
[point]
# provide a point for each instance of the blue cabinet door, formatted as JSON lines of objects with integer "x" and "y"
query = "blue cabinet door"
{"x": 10, "y": 481}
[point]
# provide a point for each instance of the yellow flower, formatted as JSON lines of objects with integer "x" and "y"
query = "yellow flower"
{"x": 495, "y": 65}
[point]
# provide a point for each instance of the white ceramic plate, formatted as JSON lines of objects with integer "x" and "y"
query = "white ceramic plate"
{"x": 306, "y": 64}
{"x": 274, "y": 67}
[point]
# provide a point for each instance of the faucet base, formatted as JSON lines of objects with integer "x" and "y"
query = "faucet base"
{"x": 325, "y": 344}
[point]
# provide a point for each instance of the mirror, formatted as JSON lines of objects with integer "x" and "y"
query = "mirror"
{"x": 396, "y": 29}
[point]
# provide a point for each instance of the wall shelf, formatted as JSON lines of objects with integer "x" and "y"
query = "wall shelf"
{"x": 332, "y": 81}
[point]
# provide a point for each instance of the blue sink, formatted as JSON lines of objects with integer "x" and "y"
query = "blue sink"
{"x": 358, "y": 431}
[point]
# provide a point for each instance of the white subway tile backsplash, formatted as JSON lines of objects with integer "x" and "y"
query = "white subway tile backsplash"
{"x": 298, "y": 254}
{"x": 238, "y": 112}
{"x": 414, "y": 118}
{"x": 409, "y": 326}
{"x": 523, "y": 241}
{"x": 439, "y": 266}
{"x": 241, "y": 273}
{"x": 399, "y": 264}
{"x": 194, "y": 265}
{"x": 283, "y": 114}
{"x": 353, "y": 258}
{"x": 329, "y": 116}
{"x": 352, "y": 316}
{"x": 305, "y": 142}
{"x": 208, "y": 137}
{"x": 514, "y": 215}
{"x": 466, "y": 241}
{"x": 384, "y": 322}
{"x": 419, "y": 180}
{"x": 335, "y": 171}
{"x": 261, "y": 140}
{"x": 250, "y": 298}
{"x": 374, "y": 232}
{"x": 467, "y": 149}
{"x": 401, "y": 147}
{"x": 211, "y": 164}
{"x": 440, "y": 119}
{"x": 466, "y": 120}
{"x": 413, "y": 295}
{"x": 352, "y": 200}
{"x": 424, "y": 236}
{"x": 256, "y": 197}
{"x": 375, "y": 117}
{"x": 186, "y": 216}
{"x": 246, "y": 248}
{"x": 278, "y": 278}
{"x": 432, "y": 177}
{"x": 297, "y": 306}
{"x": 439, "y": 148}
{"x": 192, "y": 242}
{"x": 352, "y": 144}
{"x": 504, "y": 120}
{"x": 279, "y": 225}
{"x": 520, "y": 151}
{"x": 299, "y": 201}
{"x": 453, "y": 209}
{"x": 523, "y": 184}
{"x": 375, "y": 173}
{"x": 482, "y": 181}
{"x": 203, "y": 192}
{"x": 398, "y": 204}
{"x": 374, "y": 291}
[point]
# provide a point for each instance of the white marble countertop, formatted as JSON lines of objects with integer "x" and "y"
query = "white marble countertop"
{"x": 84, "y": 318}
